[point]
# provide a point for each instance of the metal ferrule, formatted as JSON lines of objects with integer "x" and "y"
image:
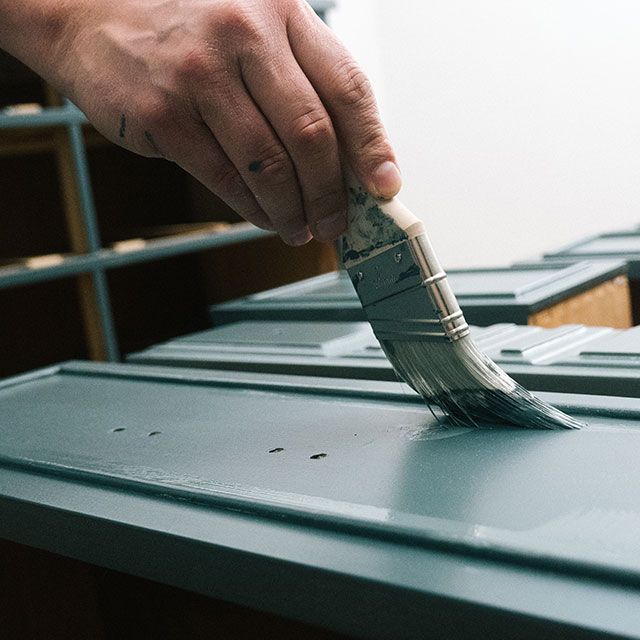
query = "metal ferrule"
{"x": 406, "y": 294}
{"x": 435, "y": 281}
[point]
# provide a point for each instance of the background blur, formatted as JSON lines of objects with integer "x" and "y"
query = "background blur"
{"x": 516, "y": 124}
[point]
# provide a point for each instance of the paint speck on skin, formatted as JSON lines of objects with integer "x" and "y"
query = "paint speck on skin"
{"x": 318, "y": 456}
{"x": 255, "y": 166}
{"x": 152, "y": 143}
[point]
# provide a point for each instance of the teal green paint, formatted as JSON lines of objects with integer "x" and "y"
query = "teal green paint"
{"x": 393, "y": 532}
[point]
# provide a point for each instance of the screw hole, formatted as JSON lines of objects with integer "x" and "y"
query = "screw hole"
{"x": 276, "y": 450}
{"x": 154, "y": 433}
{"x": 118, "y": 429}
{"x": 318, "y": 456}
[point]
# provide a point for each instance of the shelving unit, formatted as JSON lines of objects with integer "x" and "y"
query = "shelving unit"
{"x": 61, "y": 130}
{"x": 89, "y": 257}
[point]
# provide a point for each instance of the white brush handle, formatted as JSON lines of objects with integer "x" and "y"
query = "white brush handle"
{"x": 374, "y": 225}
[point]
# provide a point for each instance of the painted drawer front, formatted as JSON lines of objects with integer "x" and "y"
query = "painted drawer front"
{"x": 323, "y": 298}
{"x": 282, "y": 493}
{"x": 624, "y": 245}
{"x": 335, "y": 349}
{"x": 571, "y": 358}
{"x": 486, "y": 296}
{"x": 612, "y": 348}
{"x": 300, "y": 338}
{"x": 537, "y": 346}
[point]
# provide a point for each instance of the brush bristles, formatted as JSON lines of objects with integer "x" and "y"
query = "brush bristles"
{"x": 468, "y": 386}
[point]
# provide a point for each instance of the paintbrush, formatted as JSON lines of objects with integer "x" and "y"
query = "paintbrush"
{"x": 418, "y": 322}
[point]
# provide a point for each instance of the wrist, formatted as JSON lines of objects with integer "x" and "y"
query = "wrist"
{"x": 38, "y": 32}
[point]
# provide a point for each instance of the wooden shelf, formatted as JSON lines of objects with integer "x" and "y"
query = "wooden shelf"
{"x": 13, "y": 118}
{"x": 131, "y": 251}
{"x": 43, "y": 140}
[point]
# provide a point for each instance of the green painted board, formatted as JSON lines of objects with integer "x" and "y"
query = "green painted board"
{"x": 335, "y": 349}
{"x": 607, "y": 246}
{"x": 572, "y": 358}
{"x": 342, "y": 503}
{"x": 486, "y": 296}
{"x": 322, "y": 298}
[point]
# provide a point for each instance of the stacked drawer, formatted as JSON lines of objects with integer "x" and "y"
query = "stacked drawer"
{"x": 571, "y": 358}
{"x": 604, "y": 247}
{"x": 542, "y": 293}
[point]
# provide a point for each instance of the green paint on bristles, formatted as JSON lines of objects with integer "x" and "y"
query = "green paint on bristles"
{"x": 469, "y": 387}
{"x": 447, "y": 370}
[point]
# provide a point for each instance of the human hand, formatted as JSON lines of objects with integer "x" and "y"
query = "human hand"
{"x": 256, "y": 99}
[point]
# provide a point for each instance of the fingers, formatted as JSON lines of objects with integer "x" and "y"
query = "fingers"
{"x": 347, "y": 96}
{"x": 260, "y": 102}
{"x": 285, "y": 120}
{"x": 260, "y": 157}
{"x": 198, "y": 153}
{"x": 304, "y": 127}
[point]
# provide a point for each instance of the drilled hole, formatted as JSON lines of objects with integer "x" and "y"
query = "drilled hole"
{"x": 317, "y": 456}
{"x": 118, "y": 429}
{"x": 154, "y": 433}
{"x": 276, "y": 450}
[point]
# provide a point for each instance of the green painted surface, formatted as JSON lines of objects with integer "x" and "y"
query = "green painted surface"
{"x": 607, "y": 246}
{"x": 486, "y": 296}
{"x": 403, "y": 524}
{"x": 573, "y": 358}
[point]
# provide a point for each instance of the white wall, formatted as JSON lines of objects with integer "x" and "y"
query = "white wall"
{"x": 516, "y": 123}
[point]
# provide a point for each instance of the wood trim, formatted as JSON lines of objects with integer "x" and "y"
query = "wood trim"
{"x": 606, "y": 305}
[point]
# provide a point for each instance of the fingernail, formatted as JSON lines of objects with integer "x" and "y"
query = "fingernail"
{"x": 386, "y": 180}
{"x": 299, "y": 238}
{"x": 331, "y": 227}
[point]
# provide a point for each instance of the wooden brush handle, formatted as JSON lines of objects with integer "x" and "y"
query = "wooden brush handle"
{"x": 374, "y": 225}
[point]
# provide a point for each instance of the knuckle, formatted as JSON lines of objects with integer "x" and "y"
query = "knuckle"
{"x": 313, "y": 128}
{"x": 354, "y": 87}
{"x": 275, "y": 165}
{"x": 373, "y": 143}
{"x": 193, "y": 67}
{"x": 236, "y": 22}
{"x": 228, "y": 183}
